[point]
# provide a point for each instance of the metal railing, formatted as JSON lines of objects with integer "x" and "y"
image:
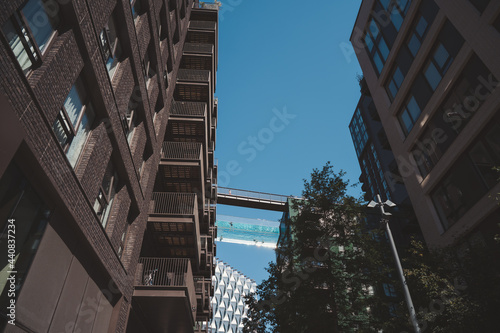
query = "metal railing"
{"x": 198, "y": 48}
{"x": 167, "y": 272}
{"x": 202, "y": 25}
{"x": 168, "y": 203}
{"x": 181, "y": 150}
{"x": 193, "y": 75}
{"x": 193, "y": 109}
{"x": 251, "y": 194}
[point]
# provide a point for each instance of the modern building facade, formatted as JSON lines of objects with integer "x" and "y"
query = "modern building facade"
{"x": 228, "y": 301}
{"x": 379, "y": 170}
{"x": 431, "y": 67}
{"x": 107, "y": 173}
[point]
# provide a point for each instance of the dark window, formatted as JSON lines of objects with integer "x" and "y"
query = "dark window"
{"x": 417, "y": 35}
{"x": 73, "y": 123}
{"x": 458, "y": 192}
{"x": 137, "y": 8}
{"x": 377, "y": 46}
{"x": 123, "y": 240}
{"x": 29, "y": 32}
{"x": 29, "y": 214}
{"x": 110, "y": 45}
{"x": 389, "y": 290}
{"x": 470, "y": 177}
{"x": 129, "y": 121}
{"x": 442, "y": 55}
{"x": 465, "y": 98}
{"x": 480, "y": 4}
{"x": 395, "y": 83}
{"x": 163, "y": 32}
{"x": 358, "y": 132}
{"x": 408, "y": 117}
{"x": 149, "y": 65}
{"x": 107, "y": 192}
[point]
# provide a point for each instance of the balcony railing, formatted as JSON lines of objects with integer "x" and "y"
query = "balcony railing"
{"x": 167, "y": 203}
{"x": 167, "y": 272}
{"x": 198, "y": 48}
{"x": 202, "y": 25}
{"x": 188, "y": 109}
{"x": 181, "y": 150}
{"x": 193, "y": 75}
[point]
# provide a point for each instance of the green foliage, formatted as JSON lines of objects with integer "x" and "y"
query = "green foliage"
{"x": 453, "y": 290}
{"x": 320, "y": 284}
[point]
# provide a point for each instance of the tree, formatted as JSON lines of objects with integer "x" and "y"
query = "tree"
{"x": 321, "y": 281}
{"x": 453, "y": 289}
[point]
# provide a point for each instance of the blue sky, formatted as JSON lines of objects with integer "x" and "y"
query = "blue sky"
{"x": 286, "y": 95}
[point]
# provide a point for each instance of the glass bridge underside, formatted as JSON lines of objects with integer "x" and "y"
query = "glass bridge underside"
{"x": 239, "y": 230}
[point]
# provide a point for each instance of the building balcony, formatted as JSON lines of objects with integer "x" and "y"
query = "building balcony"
{"x": 194, "y": 86}
{"x": 165, "y": 292}
{"x": 188, "y": 123}
{"x": 173, "y": 228}
{"x": 182, "y": 169}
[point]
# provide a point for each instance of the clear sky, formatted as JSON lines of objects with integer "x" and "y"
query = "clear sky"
{"x": 287, "y": 93}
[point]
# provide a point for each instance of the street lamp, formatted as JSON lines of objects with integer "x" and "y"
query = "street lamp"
{"x": 406, "y": 290}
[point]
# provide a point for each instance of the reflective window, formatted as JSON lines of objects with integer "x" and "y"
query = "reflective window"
{"x": 29, "y": 32}
{"x": 73, "y": 123}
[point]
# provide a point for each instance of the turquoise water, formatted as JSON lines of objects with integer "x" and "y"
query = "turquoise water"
{"x": 253, "y": 230}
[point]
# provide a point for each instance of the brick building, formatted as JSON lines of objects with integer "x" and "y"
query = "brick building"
{"x": 107, "y": 171}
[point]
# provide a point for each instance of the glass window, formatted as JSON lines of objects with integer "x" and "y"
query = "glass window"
{"x": 106, "y": 196}
{"x": 73, "y": 123}
{"x": 110, "y": 45}
{"x": 23, "y": 215}
{"x": 137, "y": 8}
{"x": 395, "y": 83}
{"x": 29, "y": 32}
{"x": 409, "y": 115}
{"x": 376, "y": 45}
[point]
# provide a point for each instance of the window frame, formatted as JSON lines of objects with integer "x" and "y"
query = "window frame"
{"x": 22, "y": 28}
{"x": 105, "y": 200}
{"x": 407, "y": 111}
{"x": 110, "y": 52}
{"x": 64, "y": 120}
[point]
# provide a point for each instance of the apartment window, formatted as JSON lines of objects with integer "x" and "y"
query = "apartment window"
{"x": 465, "y": 98}
{"x": 358, "y": 132}
{"x": 107, "y": 192}
{"x": 110, "y": 45}
{"x": 408, "y": 117}
{"x": 470, "y": 177}
{"x": 389, "y": 290}
{"x": 417, "y": 35}
{"x": 137, "y": 8}
{"x": 480, "y": 4}
{"x": 19, "y": 201}
{"x": 129, "y": 120}
{"x": 73, "y": 123}
{"x": 457, "y": 193}
{"x": 123, "y": 239}
{"x": 395, "y": 83}
{"x": 485, "y": 155}
{"x": 397, "y": 10}
{"x": 377, "y": 46}
{"x": 444, "y": 51}
{"x": 437, "y": 66}
{"x": 29, "y": 32}
{"x": 163, "y": 32}
{"x": 149, "y": 65}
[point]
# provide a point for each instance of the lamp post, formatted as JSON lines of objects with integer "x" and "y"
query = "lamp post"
{"x": 385, "y": 222}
